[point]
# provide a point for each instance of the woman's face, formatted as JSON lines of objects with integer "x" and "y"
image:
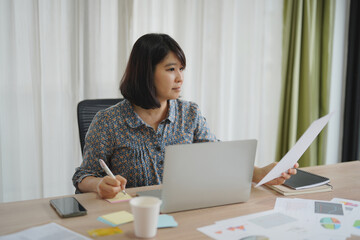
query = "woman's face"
{"x": 168, "y": 78}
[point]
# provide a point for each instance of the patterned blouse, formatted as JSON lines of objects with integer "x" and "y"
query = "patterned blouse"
{"x": 131, "y": 148}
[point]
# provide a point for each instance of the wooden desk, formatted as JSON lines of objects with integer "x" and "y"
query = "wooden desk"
{"x": 18, "y": 216}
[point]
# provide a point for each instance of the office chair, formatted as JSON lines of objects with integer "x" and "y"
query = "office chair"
{"x": 86, "y": 111}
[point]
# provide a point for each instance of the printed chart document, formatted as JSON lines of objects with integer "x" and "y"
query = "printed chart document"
{"x": 326, "y": 219}
{"x": 295, "y": 219}
{"x": 52, "y": 231}
{"x": 352, "y": 213}
{"x": 294, "y": 154}
{"x": 264, "y": 225}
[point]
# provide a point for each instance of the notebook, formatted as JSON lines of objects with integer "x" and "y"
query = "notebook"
{"x": 304, "y": 179}
{"x": 286, "y": 191}
{"x": 203, "y": 175}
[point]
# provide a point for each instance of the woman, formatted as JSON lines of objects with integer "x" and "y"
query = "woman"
{"x": 131, "y": 136}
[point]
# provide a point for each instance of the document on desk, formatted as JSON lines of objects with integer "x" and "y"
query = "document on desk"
{"x": 263, "y": 225}
{"x": 352, "y": 213}
{"x": 52, "y": 231}
{"x": 292, "y": 218}
{"x": 294, "y": 154}
{"x": 323, "y": 218}
{"x": 350, "y": 206}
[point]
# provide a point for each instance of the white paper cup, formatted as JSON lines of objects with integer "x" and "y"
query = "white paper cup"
{"x": 146, "y": 214}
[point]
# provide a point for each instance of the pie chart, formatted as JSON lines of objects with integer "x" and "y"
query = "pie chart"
{"x": 330, "y": 223}
{"x": 357, "y": 224}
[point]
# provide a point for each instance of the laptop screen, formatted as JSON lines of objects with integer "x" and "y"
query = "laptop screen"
{"x": 206, "y": 174}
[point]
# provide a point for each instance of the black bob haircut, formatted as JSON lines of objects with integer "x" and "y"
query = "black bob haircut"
{"x": 137, "y": 83}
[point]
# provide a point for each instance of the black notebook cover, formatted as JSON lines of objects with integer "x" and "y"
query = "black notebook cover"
{"x": 305, "y": 179}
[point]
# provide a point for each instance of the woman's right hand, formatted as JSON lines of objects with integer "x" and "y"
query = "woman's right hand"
{"x": 108, "y": 187}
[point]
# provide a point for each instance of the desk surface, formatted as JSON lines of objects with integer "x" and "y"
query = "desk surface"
{"x": 18, "y": 216}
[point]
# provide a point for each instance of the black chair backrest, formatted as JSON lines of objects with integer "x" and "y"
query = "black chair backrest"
{"x": 86, "y": 111}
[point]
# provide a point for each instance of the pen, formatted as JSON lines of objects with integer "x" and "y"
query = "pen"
{"x": 108, "y": 172}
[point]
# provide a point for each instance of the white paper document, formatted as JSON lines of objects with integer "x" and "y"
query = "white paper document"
{"x": 264, "y": 225}
{"x": 352, "y": 214}
{"x": 52, "y": 231}
{"x": 351, "y": 206}
{"x": 294, "y": 154}
{"x": 292, "y": 218}
{"x": 324, "y": 219}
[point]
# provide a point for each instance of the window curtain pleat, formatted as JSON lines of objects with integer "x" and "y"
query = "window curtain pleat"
{"x": 307, "y": 47}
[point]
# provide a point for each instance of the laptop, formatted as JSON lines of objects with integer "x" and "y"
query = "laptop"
{"x": 204, "y": 175}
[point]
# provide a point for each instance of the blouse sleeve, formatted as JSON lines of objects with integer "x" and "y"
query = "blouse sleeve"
{"x": 98, "y": 145}
{"x": 202, "y": 132}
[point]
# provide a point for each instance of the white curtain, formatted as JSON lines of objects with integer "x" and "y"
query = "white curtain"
{"x": 233, "y": 72}
{"x": 337, "y": 82}
{"x": 53, "y": 54}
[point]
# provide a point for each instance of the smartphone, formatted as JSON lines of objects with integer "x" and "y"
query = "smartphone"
{"x": 68, "y": 207}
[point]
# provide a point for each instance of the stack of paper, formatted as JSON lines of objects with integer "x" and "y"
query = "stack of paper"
{"x": 326, "y": 219}
{"x": 47, "y": 231}
{"x": 286, "y": 191}
{"x": 263, "y": 225}
{"x": 293, "y": 219}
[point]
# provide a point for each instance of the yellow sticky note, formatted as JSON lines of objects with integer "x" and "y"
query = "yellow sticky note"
{"x": 117, "y": 218}
{"x": 104, "y": 231}
{"x": 120, "y": 197}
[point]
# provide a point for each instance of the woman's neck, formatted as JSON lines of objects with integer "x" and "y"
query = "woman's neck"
{"x": 153, "y": 117}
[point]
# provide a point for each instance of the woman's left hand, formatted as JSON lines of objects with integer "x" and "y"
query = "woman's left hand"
{"x": 259, "y": 173}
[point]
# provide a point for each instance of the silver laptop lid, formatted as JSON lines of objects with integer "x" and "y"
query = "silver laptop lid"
{"x": 207, "y": 174}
